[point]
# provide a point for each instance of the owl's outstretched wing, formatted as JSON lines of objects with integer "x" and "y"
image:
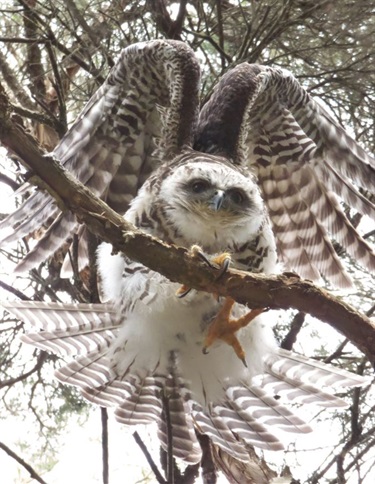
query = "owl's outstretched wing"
{"x": 262, "y": 116}
{"x": 150, "y": 97}
{"x": 247, "y": 414}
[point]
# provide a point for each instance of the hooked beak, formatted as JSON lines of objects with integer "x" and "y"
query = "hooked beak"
{"x": 217, "y": 200}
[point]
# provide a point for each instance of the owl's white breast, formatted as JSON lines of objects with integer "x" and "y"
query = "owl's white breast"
{"x": 211, "y": 231}
{"x": 160, "y": 330}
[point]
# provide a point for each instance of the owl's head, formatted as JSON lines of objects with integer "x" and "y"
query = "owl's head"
{"x": 208, "y": 200}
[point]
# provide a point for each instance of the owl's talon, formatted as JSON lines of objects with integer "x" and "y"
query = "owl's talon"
{"x": 224, "y": 266}
{"x": 222, "y": 260}
{"x": 224, "y": 328}
{"x": 183, "y": 291}
{"x": 196, "y": 251}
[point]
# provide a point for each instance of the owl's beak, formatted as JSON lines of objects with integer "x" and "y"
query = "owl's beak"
{"x": 217, "y": 200}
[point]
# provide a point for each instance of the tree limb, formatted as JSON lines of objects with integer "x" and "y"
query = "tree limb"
{"x": 39, "y": 363}
{"x": 104, "y": 422}
{"x": 30, "y": 470}
{"x": 150, "y": 460}
{"x": 176, "y": 263}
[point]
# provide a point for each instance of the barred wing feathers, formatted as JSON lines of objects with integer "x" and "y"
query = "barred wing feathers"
{"x": 66, "y": 329}
{"x": 247, "y": 414}
{"x": 262, "y": 116}
{"x": 109, "y": 147}
{"x": 296, "y": 378}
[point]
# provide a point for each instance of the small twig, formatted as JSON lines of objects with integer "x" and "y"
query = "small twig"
{"x": 149, "y": 459}
{"x": 22, "y": 40}
{"x": 369, "y": 234}
{"x": 191, "y": 475}
{"x": 105, "y": 453}
{"x": 92, "y": 246}
{"x": 221, "y": 32}
{"x": 295, "y": 328}
{"x": 14, "y": 291}
{"x": 209, "y": 39}
{"x": 30, "y": 470}
{"x": 338, "y": 352}
{"x": 39, "y": 363}
{"x": 370, "y": 312}
{"x": 209, "y": 474}
{"x": 59, "y": 86}
{"x": 168, "y": 424}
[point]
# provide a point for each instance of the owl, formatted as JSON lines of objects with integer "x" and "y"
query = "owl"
{"x": 249, "y": 180}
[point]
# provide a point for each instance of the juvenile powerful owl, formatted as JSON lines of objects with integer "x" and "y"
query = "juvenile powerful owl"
{"x": 253, "y": 175}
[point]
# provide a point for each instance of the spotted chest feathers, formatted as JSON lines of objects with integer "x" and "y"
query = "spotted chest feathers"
{"x": 207, "y": 202}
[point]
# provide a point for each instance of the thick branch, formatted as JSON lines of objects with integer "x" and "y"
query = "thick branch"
{"x": 176, "y": 263}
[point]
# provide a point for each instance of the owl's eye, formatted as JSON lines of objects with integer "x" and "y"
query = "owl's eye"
{"x": 199, "y": 186}
{"x": 237, "y": 196}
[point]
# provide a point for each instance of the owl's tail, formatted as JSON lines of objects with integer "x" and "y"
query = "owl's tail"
{"x": 86, "y": 332}
{"x": 250, "y": 413}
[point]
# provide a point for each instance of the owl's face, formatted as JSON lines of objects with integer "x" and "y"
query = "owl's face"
{"x": 207, "y": 200}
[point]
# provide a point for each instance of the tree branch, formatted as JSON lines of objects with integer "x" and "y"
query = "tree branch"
{"x": 295, "y": 328}
{"x": 14, "y": 291}
{"x": 176, "y": 263}
{"x": 30, "y": 470}
{"x": 150, "y": 460}
{"x": 39, "y": 363}
{"x": 105, "y": 453}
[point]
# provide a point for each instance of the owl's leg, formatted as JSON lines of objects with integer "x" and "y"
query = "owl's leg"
{"x": 224, "y": 327}
{"x": 222, "y": 260}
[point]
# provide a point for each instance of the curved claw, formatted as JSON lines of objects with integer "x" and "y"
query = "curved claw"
{"x": 206, "y": 260}
{"x": 224, "y": 266}
{"x": 183, "y": 291}
{"x": 225, "y": 328}
{"x": 222, "y": 260}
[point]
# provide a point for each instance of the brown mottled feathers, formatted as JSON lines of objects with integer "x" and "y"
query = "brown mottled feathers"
{"x": 110, "y": 146}
{"x": 261, "y": 116}
{"x": 142, "y": 352}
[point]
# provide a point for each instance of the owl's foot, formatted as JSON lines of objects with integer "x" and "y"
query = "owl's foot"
{"x": 224, "y": 328}
{"x": 183, "y": 291}
{"x": 221, "y": 262}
